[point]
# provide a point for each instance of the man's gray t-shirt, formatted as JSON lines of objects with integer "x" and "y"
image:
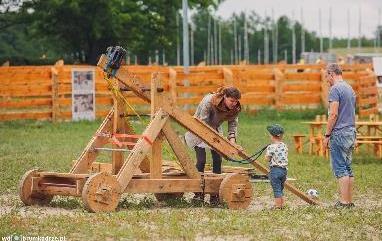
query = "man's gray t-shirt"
{"x": 343, "y": 93}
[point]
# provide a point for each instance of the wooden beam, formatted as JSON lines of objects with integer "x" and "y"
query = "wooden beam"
{"x": 173, "y": 185}
{"x": 156, "y": 150}
{"x": 180, "y": 151}
{"x": 141, "y": 149}
{"x": 118, "y": 127}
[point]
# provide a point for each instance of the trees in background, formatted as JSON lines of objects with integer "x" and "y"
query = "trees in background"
{"x": 40, "y": 32}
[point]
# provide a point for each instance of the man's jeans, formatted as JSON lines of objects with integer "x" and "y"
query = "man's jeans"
{"x": 341, "y": 147}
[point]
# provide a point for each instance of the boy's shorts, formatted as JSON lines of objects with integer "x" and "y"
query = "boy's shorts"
{"x": 341, "y": 146}
{"x": 277, "y": 177}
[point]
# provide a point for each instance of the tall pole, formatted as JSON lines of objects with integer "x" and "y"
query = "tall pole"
{"x": 192, "y": 45}
{"x": 177, "y": 40}
{"x": 235, "y": 38}
{"x": 266, "y": 41}
{"x": 359, "y": 29}
{"x": 186, "y": 49}
{"x": 274, "y": 39}
{"x": 240, "y": 51}
{"x": 302, "y": 31}
{"x": 330, "y": 28}
{"x": 258, "y": 56}
{"x": 220, "y": 44}
{"x": 293, "y": 40}
{"x": 348, "y": 20}
{"x": 208, "y": 39}
{"x": 163, "y": 57}
{"x": 320, "y": 31}
{"x": 216, "y": 42}
{"x": 246, "y": 47}
{"x": 379, "y": 30}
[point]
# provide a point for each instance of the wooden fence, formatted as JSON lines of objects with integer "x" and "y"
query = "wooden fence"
{"x": 45, "y": 92}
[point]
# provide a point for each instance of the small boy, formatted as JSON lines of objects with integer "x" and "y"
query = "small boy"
{"x": 277, "y": 155}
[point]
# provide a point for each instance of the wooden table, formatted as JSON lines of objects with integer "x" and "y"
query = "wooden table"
{"x": 364, "y": 129}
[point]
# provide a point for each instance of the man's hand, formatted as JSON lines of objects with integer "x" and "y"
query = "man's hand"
{"x": 232, "y": 140}
{"x": 326, "y": 142}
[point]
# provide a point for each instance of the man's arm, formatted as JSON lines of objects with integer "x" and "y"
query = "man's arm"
{"x": 332, "y": 118}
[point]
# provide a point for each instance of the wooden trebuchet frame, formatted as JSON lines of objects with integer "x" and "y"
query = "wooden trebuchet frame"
{"x": 101, "y": 184}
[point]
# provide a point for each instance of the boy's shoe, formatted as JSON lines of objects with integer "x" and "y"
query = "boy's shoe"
{"x": 277, "y": 208}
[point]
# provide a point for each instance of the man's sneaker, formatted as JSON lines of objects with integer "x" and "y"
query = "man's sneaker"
{"x": 351, "y": 205}
{"x": 339, "y": 204}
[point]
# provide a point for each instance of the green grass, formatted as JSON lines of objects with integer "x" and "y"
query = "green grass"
{"x": 29, "y": 144}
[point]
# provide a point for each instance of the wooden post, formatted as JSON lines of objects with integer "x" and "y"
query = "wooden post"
{"x": 55, "y": 70}
{"x": 156, "y": 151}
{"x": 118, "y": 127}
{"x": 279, "y": 84}
{"x": 172, "y": 84}
{"x": 228, "y": 77}
{"x": 324, "y": 89}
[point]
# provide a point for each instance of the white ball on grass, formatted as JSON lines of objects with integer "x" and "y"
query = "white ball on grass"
{"x": 312, "y": 193}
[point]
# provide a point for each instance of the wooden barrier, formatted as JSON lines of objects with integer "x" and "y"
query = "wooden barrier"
{"x": 45, "y": 92}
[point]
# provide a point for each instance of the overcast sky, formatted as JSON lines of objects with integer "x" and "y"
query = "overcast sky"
{"x": 369, "y": 13}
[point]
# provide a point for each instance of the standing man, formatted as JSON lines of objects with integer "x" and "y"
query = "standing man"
{"x": 341, "y": 132}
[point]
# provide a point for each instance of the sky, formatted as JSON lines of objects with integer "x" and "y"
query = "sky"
{"x": 369, "y": 13}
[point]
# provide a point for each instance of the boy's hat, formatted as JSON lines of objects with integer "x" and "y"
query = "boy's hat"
{"x": 275, "y": 130}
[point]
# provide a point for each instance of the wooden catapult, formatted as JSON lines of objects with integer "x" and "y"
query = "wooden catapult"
{"x": 141, "y": 170}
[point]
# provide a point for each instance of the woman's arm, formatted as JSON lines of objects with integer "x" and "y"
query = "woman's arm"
{"x": 232, "y": 129}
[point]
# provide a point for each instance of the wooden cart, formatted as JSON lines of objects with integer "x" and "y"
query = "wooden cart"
{"x": 136, "y": 172}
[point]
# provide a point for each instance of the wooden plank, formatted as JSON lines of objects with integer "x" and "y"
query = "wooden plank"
{"x": 42, "y": 115}
{"x": 367, "y": 112}
{"x": 141, "y": 149}
{"x": 173, "y": 185}
{"x": 28, "y": 90}
{"x": 26, "y": 103}
{"x": 369, "y": 91}
{"x": 196, "y": 89}
{"x": 368, "y": 101}
{"x": 156, "y": 149}
{"x": 301, "y": 99}
{"x": 303, "y": 76}
{"x": 119, "y": 126}
{"x": 314, "y": 87}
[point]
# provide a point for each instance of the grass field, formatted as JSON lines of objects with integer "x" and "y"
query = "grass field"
{"x": 28, "y": 144}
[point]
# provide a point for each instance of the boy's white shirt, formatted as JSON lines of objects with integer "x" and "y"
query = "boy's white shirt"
{"x": 278, "y": 154}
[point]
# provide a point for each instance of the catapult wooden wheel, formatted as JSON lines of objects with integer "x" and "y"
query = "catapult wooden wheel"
{"x": 166, "y": 196}
{"x": 236, "y": 191}
{"x": 101, "y": 193}
{"x": 27, "y": 196}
